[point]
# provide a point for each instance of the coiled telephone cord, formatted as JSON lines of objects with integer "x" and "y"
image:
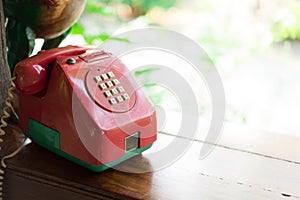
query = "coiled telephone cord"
{"x": 8, "y": 106}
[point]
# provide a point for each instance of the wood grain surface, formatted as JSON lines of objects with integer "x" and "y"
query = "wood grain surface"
{"x": 227, "y": 173}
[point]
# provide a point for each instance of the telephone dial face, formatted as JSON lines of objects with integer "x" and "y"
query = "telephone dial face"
{"x": 110, "y": 89}
{"x": 87, "y": 107}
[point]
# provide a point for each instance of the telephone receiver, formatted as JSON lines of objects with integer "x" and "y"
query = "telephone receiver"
{"x": 32, "y": 75}
{"x": 83, "y": 105}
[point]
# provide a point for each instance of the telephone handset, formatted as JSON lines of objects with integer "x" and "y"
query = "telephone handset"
{"x": 83, "y": 105}
{"x": 32, "y": 73}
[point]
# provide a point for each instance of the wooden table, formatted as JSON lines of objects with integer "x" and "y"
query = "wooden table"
{"x": 246, "y": 164}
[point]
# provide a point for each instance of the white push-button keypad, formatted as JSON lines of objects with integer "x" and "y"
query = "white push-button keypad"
{"x": 111, "y": 88}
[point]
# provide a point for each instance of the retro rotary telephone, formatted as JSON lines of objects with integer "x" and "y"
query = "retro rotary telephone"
{"x": 84, "y": 105}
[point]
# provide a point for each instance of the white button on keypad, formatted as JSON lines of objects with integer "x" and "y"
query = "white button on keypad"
{"x": 112, "y": 101}
{"x": 104, "y": 76}
{"x": 97, "y": 79}
{"x": 116, "y": 81}
{"x": 109, "y": 84}
{"x": 121, "y": 89}
{"x": 102, "y": 86}
{"x": 126, "y": 96}
{"x": 114, "y": 91}
{"x": 120, "y": 99}
{"x": 111, "y": 74}
{"x": 107, "y": 94}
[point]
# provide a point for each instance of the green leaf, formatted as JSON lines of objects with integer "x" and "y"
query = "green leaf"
{"x": 77, "y": 29}
{"x": 141, "y": 72}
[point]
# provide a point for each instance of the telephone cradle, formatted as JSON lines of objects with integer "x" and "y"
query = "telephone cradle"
{"x": 83, "y": 104}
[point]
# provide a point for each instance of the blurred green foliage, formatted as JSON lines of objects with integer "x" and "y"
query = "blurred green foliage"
{"x": 106, "y": 9}
{"x": 148, "y": 4}
{"x": 286, "y": 22}
{"x": 282, "y": 19}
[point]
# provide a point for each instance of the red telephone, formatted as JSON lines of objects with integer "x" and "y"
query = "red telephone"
{"x": 83, "y": 105}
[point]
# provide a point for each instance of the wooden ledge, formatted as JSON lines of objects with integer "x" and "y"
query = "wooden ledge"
{"x": 228, "y": 173}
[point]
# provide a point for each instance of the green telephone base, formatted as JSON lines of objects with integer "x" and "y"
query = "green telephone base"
{"x": 49, "y": 139}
